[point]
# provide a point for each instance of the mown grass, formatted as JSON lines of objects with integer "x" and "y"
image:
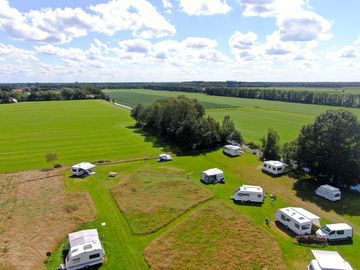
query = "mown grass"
{"x": 252, "y": 116}
{"x": 215, "y": 237}
{"x": 153, "y": 197}
{"x": 76, "y": 130}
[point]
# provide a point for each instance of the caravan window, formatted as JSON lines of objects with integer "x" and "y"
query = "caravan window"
{"x": 93, "y": 256}
{"x": 305, "y": 227}
{"x": 337, "y": 195}
{"x": 297, "y": 226}
{"x": 283, "y": 217}
{"x": 340, "y": 232}
{"x": 76, "y": 260}
{"x": 259, "y": 196}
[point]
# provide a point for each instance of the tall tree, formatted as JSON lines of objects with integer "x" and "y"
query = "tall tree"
{"x": 271, "y": 145}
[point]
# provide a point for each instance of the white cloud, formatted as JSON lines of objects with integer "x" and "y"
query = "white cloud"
{"x": 167, "y": 4}
{"x": 10, "y": 53}
{"x": 204, "y": 7}
{"x": 136, "y": 45}
{"x": 243, "y": 40}
{"x": 199, "y": 43}
{"x": 62, "y": 25}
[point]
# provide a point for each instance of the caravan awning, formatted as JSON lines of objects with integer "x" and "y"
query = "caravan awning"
{"x": 331, "y": 260}
{"x": 314, "y": 218}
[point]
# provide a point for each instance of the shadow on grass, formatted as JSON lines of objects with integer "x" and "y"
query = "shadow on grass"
{"x": 257, "y": 204}
{"x": 305, "y": 187}
{"x": 284, "y": 229}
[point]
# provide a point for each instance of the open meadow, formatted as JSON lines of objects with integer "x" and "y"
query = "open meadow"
{"x": 153, "y": 214}
{"x": 252, "y": 116}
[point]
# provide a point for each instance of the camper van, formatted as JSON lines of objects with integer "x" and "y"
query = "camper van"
{"x": 83, "y": 169}
{"x": 328, "y": 260}
{"x": 274, "y": 167}
{"x": 246, "y": 193}
{"x": 329, "y": 192}
{"x": 85, "y": 250}
{"x": 232, "y": 150}
{"x": 213, "y": 176}
{"x": 336, "y": 232}
{"x": 297, "y": 219}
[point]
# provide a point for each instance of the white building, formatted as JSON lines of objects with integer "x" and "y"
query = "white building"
{"x": 233, "y": 150}
{"x": 85, "y": 250}
{"x": 297, "y": 219}
{"x": 329, "y": 192}
{"x": 213, "y": 176}
{"x": 83, "y": 169}
{"x": 336, "y": 232}
{"x": 247, "y": 193}
{"x": 274, "y": 167}
{"x": 328, "y": 260}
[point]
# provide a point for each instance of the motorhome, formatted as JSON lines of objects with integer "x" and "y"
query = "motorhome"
{"x": 83, "y": 169}
{"x": 213, "y": 176}
{"x": 247, "y": 193}
{"x": 85, "y": 250}
{"x": 328, "y": 260}
{"x": 336, "y": 232}
{"x": 233, "y": 150}
{"x": 298, "y": 220}
{"x": 274, "y": 167}
{"x": 329, "y": 192}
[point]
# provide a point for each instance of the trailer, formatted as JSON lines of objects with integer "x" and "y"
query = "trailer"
{"x": 233, "y": 150}
{"x": 247, "y": 193}
{"x": 297, "y": 219}
{"x": 83, "y": 169}
{"x": 213, "y": 176}
{"x": 328, "y": 260}
{"x": 85, "y": 250}
{"x": 274, "y": 167}
{"x": 336, "y": 232}
{"x": 328, "y": 192}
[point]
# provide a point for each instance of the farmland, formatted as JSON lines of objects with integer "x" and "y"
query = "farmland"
{"x": 252, "y": 116}
{"x": 94, "y": 130}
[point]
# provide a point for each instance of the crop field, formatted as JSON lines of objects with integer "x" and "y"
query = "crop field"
{"x": 196, "y": 207}
{"x": 75, "y": 130}
{"x": 252, "y": 116}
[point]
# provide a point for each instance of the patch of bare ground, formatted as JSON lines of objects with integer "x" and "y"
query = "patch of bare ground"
{"x": 215, "y": 237}
{"x": 37, "y": 212}
{"x": 153, "y": 197}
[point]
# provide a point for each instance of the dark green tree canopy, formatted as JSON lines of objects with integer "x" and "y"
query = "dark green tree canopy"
{"x": 182, "y": 121}
{"x": 271, "y": 146}
{"x": 331, "y": 147}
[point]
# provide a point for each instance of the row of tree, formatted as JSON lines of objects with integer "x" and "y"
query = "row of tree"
{"x": 329, "y": 148}
{"x": 308, "y": 97}
{"x": 182, "y": 121}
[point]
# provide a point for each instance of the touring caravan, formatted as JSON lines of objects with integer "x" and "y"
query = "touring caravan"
{"x": 247, "y": 193}
{"x": 232, "y": 150}
{"x": 85, "y": 250}
{"x": 328, "y": 260}
{"x": 83, "y": 169}
{"x": 213, "y": 176}
{"x": 336, "y": 232}
{"x": 274, "y": 167}
{"x": 164, "y": 158}
{"x": 329, "y": 192}
{"x": 297, "y": 219}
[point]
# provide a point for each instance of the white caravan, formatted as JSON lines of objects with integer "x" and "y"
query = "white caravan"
{"x": 164, "y": 157}
{"x": 328, "y": 260}
{"x": 83, "y": 169}
{"x": 213, "y": 176}
{"x": 329, "y": 192}
{"x": 335, "y": 232}
{"x": 85, "y": 250}
{"x": 246, "y": 193}
{"x": 233, "y": 150}
{"x": 297, "y": 219}
{"x": 274, "y": 167}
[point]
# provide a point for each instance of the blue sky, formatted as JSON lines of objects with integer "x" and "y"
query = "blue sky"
{"x": 179, "y": 40}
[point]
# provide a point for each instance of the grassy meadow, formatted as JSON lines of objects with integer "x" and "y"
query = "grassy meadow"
{"x": 252, "y": 116}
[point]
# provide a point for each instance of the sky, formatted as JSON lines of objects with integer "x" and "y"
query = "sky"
{"x": 179, "y": 40}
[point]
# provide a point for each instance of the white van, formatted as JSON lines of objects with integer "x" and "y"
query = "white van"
{"x": 233, "y": 150}
{"x": 329, "y": 192}
{"x": 247, "y": 193}
{"x": 328, "y": 260}
{"x": 213, "y": 176}
{"x": 274, "y": 167}
{"x": 83, "y": 169}
{"x": 297, "y": 219}
{"x": 336, "y": 232}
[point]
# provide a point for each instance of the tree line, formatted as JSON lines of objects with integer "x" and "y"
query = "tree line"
{"x": 182, "y": 122}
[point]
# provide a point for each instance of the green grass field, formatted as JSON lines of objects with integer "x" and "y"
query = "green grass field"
{"x": 252, "y": 116}
{"x": 76, "y": 130}
{"x": 93, "y": 130}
